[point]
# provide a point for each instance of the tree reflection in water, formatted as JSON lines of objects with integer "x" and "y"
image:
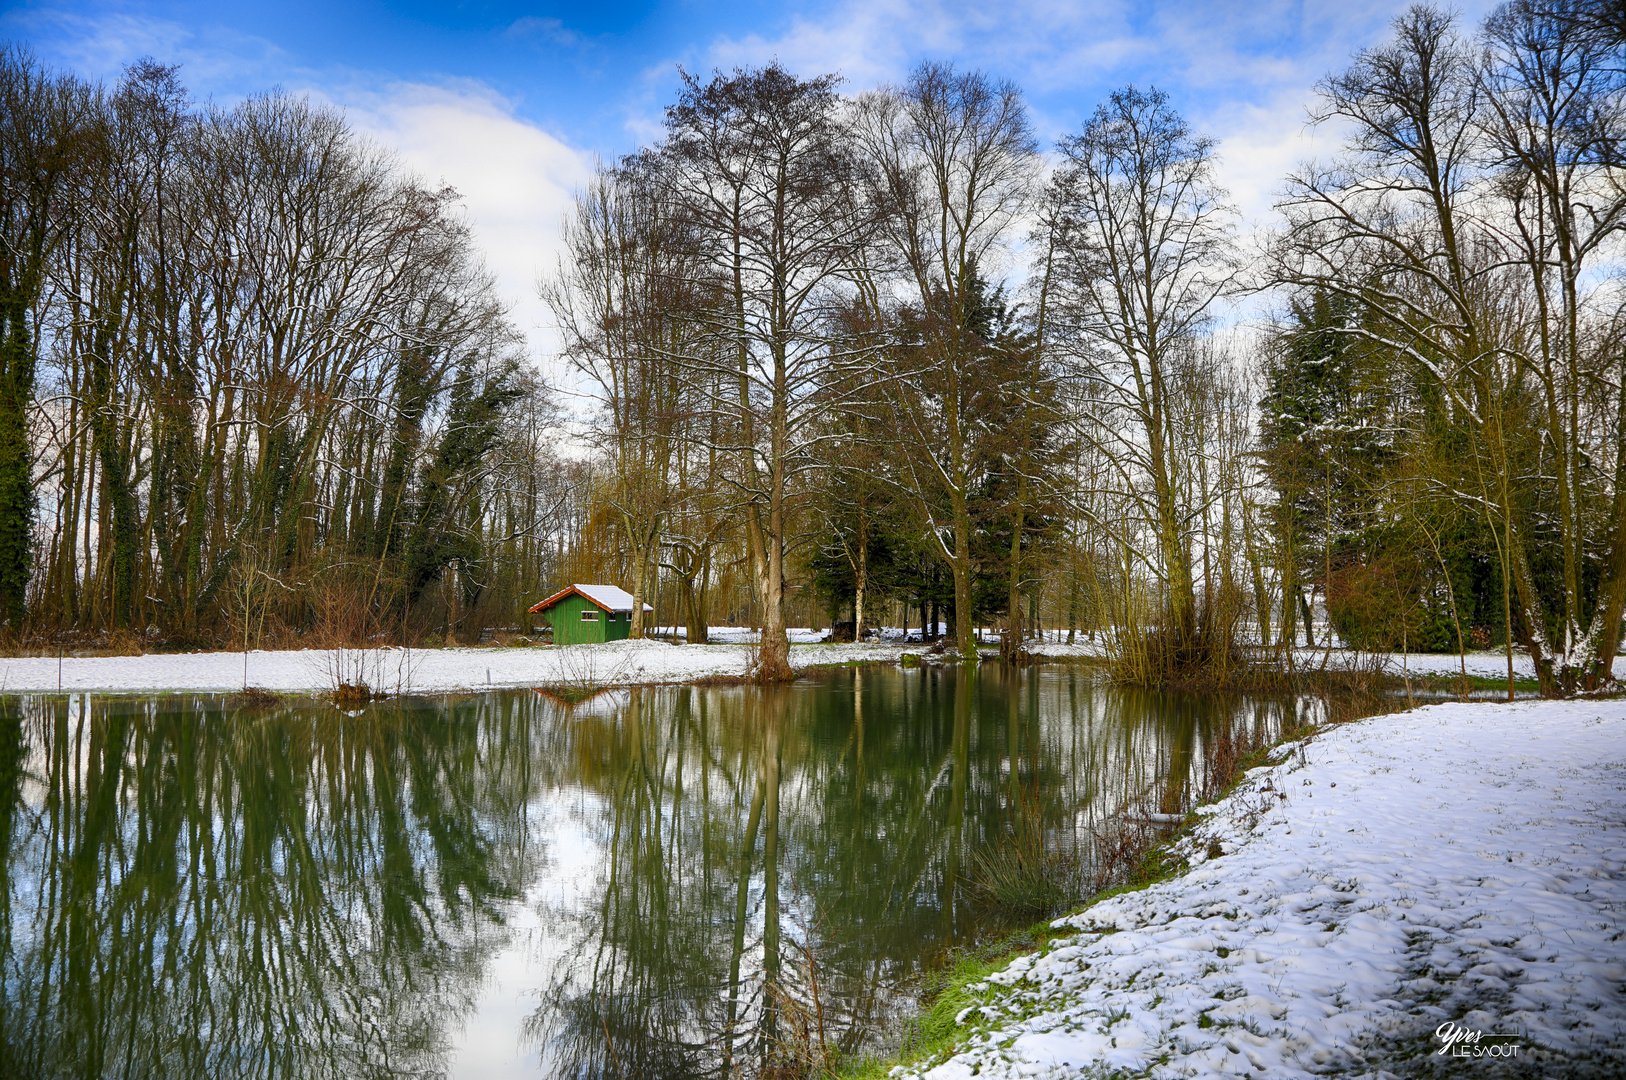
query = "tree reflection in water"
{"x": 777, "y": 865}
{"x": 293, "y": 893}
{"x": 756, "y": 875}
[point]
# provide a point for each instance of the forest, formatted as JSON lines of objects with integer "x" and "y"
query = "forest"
{"x": 855, "y": 356}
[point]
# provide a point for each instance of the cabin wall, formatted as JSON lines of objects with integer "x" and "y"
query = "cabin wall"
{"x": 568, "y": 627}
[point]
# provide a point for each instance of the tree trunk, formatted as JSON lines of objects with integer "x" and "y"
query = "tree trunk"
{"x": 1612, "y": 596}
{"x": 964, "y": 639}
{"x": 741, "y": 899}
{"x": 965, "y": 681}
{"x": 860, "y": 580}
{"x": 773, "y": 656}
{"x": 643, "y": 547}
{"x": 16, "y": 457}
{"x": 1013, "y": 596}
{"x": 116, "y": 484}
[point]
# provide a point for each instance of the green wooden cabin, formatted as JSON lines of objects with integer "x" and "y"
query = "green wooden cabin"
{"x": 582, "y": 614}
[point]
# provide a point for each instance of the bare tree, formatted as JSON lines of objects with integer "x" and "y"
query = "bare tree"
{"x": 257, "y": 329}
{"x": 955, "y": 162}
{"x": 626, "y": 296}
{"x": 1143, "y": 248}
{"x": 44, "y": 119}
{"x": 1555, "y": 123}
{"x": 769, "y": 186}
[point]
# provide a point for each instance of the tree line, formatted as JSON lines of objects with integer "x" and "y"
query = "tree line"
{"x": 850, "y": 353}
{"x": 252, "y": 371}
{"x": 790, "y": 307}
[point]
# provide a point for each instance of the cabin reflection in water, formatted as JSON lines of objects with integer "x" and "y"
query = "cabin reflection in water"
{"x": 672, "y": 881}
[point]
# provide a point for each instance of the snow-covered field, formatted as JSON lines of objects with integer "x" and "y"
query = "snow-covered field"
{"x": 425, "y": 671}
{"x": 1489, "y": 665}
{"x": 410, "y": 670}
{"x": 1460, "y": 865}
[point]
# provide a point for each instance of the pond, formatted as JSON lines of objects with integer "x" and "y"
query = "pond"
{"x": 655, "y": 882}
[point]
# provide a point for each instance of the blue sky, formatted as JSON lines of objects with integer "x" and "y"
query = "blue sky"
{"x": 510, "y": 102}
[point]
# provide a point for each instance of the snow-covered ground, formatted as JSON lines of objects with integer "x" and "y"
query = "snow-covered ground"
{"x": 410, "y": 670}
{"x": 1457, "y": 868}
{"x": 1489, "y": 665}
{"x": 648, "y": 661}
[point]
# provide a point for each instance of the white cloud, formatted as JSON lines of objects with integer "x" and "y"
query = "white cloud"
{"x": 862, "y": 41}
{"x": 1259, "y": 144}
{"x": 1242, "y": 73}
{"x": 516, "y": 179}
{"x": 103, "y": 45}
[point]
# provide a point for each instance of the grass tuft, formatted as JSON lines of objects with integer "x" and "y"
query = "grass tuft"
{"x": 253, "y": 697}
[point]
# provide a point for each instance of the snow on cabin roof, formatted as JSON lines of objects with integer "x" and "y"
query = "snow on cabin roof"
{"x": 608, "y": 597}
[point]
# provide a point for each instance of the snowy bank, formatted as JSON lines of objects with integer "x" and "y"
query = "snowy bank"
{"x": 1485, "y": 664}
{"x": 1462, "y": 864}
{"x": 427, "y": 671}
{"x": 415, "y": 671}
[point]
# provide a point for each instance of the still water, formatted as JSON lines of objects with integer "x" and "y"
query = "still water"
{"x": 664, "y": 882}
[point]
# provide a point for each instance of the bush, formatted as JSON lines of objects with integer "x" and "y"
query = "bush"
{"x": 1381, "y": 607}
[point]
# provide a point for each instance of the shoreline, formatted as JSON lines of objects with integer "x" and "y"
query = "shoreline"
{"x": 406, "y": 672}
{"x": 409, "y": 672}
{"x": 1458, "y": 864}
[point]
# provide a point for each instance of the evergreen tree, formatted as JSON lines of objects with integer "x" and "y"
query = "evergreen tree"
{"x": 43, "y": 121}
